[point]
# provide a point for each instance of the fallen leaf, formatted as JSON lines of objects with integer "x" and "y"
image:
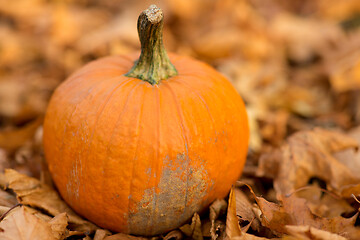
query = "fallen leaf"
{"x": 343, "y": 65}
{"x": 247, "y": 236}
{"x": 100, "y": 234}
{"x": 350, "y": 190}
{"x": 349, "y": 157}
{"x": 308, "y": 233}
{"x": 32, "y": 192}
{"x": 217, "y": 208}
{"x": 273, "y": 127}
{"x": 337, "y": 10}
{"x": 11, "y": 140}
{"x": 213, "y": 229}
{"x": 122, "y": 236}
{"x": 304, "y": 37}
{"x": 232, "y": 223}
{"x": 330, "y": 206}
{"x": 7, "y": 199}
{"x": 308, "y": 154}
{"x": 22, "y": 225}
{"x": 193, "y": 230}
{"x": 58, "y": 226}
{"x": 294, "y": 211}
{"x": 174, "y": 235}
{"x": 3, "y": 210}
{"x": 244, "y": 209}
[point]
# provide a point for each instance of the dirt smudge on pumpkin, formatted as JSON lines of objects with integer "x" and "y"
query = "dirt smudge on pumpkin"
{"x": 181, "y": 189}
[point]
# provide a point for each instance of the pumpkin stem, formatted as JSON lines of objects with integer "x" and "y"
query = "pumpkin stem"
{"x": 154, "y": 64}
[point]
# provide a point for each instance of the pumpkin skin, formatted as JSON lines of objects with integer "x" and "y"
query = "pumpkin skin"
{"x": 139, "y": 158}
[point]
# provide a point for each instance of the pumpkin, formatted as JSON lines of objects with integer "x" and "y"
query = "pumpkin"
{"x": 139, "y": 149}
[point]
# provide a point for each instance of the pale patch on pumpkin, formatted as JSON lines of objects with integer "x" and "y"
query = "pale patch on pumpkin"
{"x": 73, "y": 184}
{"x": 180, "y": 193}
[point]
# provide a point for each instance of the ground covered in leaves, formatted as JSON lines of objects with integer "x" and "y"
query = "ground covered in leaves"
{"x": 296, "y": 64}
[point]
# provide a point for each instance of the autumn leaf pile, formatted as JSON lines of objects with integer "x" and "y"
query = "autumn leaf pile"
{"x": 295, "y": 63}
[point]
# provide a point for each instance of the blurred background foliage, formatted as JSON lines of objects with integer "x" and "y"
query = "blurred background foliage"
{"x": 296, "y": 63}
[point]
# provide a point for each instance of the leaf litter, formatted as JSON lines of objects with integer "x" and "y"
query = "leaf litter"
{"x": 295, "y": 63}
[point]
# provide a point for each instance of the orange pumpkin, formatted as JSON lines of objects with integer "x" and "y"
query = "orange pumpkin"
{"x": 140, "y": 152}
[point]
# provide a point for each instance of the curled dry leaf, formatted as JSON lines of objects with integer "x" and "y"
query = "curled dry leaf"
{"x": 244, "y": 209}
{"x": 32, "y": 192}
{"x": 294, "y": 211}
{"x": 22, "y": 225}
{"x": 174, "y": 235}
{"x": 217, "y": 208}
{"x": 193, "y": 230}
{"x": 58, "y": 226}
{"x": 308, "y": 154}
{"x": 214, "y": 230}
{"x": 232, "y": 224}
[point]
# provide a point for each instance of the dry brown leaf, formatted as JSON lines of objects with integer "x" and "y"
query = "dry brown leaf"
{"x": 100, "y": 234}
{"x": 294, "y": 211}
{"x": 193, "y": 230}
{"x": 308, "y": 154}
{"x": 32, "y": 192}
{"x": 174, "y": 235}
{"x": 324, "y": 203}
{"x": 122, "y": 236}
{"x": 304, "y": 37}
{"x": 37, "y": 214}
{"x": 247, "y": 236}
{"x": 349, "y": 191}
{"x": 7, "y": 199}
{"x": 58, "y": 226}
{"x": 213, "y": 229}
{"x": 11, "y": 140}
{"x": 244, "y": 209}
{"x": 273, "y": 127}
{"x": 349, "y": 157}
{"x": 279, "y": 54}
{"x": 217, "y": 208}
{"x": 338, "y": 10}
{"x": 330, "y": 206}
{"x": 346, "y": 77}
{"x": 309, "y": 233}
{"x": 232, "y": 223}
{"x": 22, "y": 225}
{"x": 343, "y": 65}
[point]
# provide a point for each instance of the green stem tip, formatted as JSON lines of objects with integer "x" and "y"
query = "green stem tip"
{"x": 153, "y": 64}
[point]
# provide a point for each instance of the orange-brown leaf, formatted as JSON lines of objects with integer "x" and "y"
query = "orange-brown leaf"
{"x": 308, "y": 154}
